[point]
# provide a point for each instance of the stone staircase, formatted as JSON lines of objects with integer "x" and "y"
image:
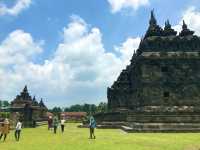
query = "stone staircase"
{"x": 164, "y": 118}
{"x": 162, "y": 122}
{"x": 162, "y": 127}
{"x": 111, "y": 125}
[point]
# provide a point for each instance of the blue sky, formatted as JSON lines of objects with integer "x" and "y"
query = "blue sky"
{"x": 45, "y": 20}
{"x": 70, "y": 51}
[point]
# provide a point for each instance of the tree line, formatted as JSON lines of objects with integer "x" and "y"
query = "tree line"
{"x": 88, "y": 108}
{"x": 4, "y": 104}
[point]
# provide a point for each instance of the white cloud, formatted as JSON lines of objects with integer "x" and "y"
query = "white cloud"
{"x": 92, "y": 67}
{"x": 79, "y": 72}
{"x": 117, "y": 5}
{"x": 16, "y": 51}
{"x": 192, "y": 19}
{"x": 127, "y": 48}
{"x": 75, "y": 29}
{"x": 18, "y": 47}
{"x": 19, "y": 6}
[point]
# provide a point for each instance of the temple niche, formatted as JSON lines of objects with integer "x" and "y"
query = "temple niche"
{"x": 160, "y": 89}
{"x": 28, "y": 109}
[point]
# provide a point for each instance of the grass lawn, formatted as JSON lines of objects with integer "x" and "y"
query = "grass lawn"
{"x": 107, "y": 139}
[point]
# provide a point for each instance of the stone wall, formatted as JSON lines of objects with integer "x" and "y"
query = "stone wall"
{"x": 171, "y": 81}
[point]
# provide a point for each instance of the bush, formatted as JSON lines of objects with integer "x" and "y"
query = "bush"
{"x": 4, "y": 114}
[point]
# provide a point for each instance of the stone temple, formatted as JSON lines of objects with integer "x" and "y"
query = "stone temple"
{"x": 160, "y": 89}
{"x": 28, "y": 109}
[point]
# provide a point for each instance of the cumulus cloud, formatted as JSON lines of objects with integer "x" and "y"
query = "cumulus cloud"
{"x": 19, "y": 6}
{"x": 192, "y": 19}
{"x": 127, "y": 49}
{"x": 117, "y": 5}
{"x": 79, "y": 72}
{"x": 18, "y": 47}
{"x": 16, "y": 50}
{"x": 83, "y": 50}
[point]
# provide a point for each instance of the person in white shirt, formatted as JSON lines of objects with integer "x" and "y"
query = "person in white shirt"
{"x": 18, "y": 130}
{"x": 62, "y": 123}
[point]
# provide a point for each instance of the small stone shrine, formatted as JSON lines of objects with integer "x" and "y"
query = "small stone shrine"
{"x": 28, "y": 109}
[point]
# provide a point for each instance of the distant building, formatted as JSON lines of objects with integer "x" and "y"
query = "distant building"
{"x": 76, "y": 116}
{"x": 28, "y": 108}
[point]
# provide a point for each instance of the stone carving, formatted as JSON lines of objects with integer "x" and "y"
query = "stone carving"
{"x": 168, "y": 31}
{"x": 185, "y": 31}
{"x": 154, "y": 29}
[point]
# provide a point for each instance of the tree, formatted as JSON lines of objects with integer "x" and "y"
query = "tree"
{"x": 56, "y": 111}
{"x": 93, "y": 109}
{"x": 89, "y": 108}
{"x": 4, "y": 104}
{"x": 102, "y": 107}
{"x": 76, "y": 108}
{"x": 86, "y": 108}
{"x": 67, "y": 109}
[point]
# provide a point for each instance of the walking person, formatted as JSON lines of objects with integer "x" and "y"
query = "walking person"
{"x": 55, "y": 124}
{"x": 92, "y": 126}
{"x": 5, "y": 129}
{"x": 18, "y": 130}
{"x": 50, "y": 121}
{"x": 62, "y": 123}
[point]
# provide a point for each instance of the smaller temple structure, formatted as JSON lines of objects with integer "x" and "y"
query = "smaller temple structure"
{"x": 28, "y": 109}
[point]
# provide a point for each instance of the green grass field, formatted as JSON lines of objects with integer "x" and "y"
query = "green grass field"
{"x": 77, "y": 139}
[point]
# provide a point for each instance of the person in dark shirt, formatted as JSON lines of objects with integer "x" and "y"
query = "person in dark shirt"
{"x": 55, "y": 124}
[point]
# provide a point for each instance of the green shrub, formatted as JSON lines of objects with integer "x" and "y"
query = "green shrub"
{"x": 4, "y": 114}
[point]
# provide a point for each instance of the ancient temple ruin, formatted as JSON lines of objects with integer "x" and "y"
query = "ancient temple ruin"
{"x": 28, "y": 109}
{"x": 160, "y": 89}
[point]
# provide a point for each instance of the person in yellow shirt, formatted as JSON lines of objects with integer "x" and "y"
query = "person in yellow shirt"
{"x": 5, "y": 129}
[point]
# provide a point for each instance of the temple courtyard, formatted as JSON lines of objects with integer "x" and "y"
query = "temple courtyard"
{"x": 107, "y": 139}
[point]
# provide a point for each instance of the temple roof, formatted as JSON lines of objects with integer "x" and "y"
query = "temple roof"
{"x": 154, "y": 29}
{"x": 42, "y": 103}
{"x": 35, "y": 103}
{"x": 168, "y": 31}
{"x": 25, "y": 90}
{"x": 152, "y": 21}
{"x": 185, "y": 31}
{"x": 157, "y": 39}
{"x": 25, "y": 99}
